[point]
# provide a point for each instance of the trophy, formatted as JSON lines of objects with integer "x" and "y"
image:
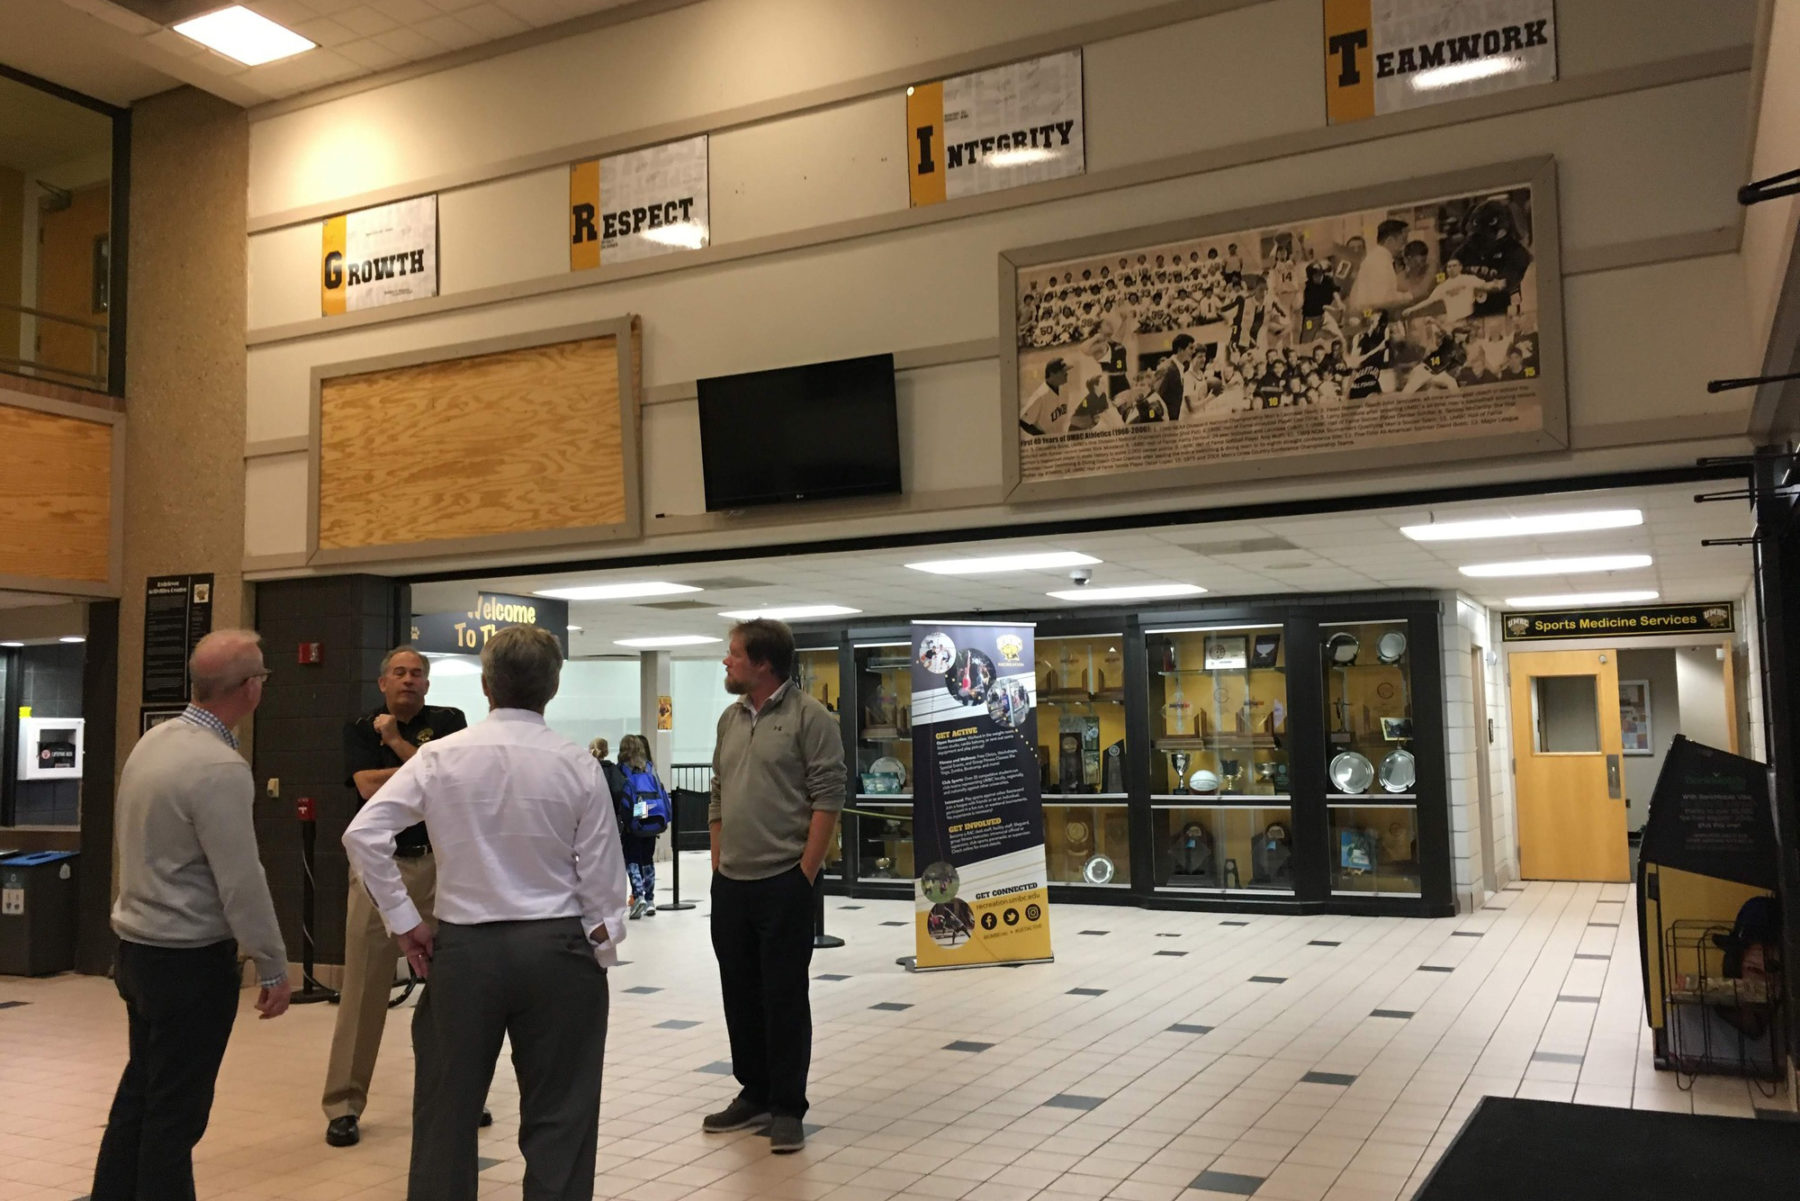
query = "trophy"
{"x": 1229, "y": 771}
{"x": 1180, "y": 759}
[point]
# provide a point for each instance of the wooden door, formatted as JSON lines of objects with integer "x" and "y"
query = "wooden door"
{"x": 67, "y": 263}
{"x": 1568, "y": 765}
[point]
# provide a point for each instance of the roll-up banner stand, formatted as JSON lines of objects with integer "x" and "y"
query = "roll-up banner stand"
{"x": 978, "y": 818}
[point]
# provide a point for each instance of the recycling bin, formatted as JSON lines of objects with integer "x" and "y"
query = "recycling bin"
{"x": 37, "y": 913}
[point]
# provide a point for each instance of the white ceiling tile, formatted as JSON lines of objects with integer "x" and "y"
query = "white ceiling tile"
{"x": 405, "y": 12}
{"x": 492, "y": 22}
{"x": 409, "y": 44}
{"x": 449, "y": 32}
{"x": 364, "y": 21}
{"x": 326, "y": 32}
{"x": 367, "y": 53}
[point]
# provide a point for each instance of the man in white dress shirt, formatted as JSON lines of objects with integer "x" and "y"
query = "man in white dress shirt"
{"x": 530, "y": 910}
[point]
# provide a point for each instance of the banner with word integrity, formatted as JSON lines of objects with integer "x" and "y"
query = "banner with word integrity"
{"x": 1012, "y": 125}
{"x": 981, "y": 895}
{"x": 638, "y": 204}
{"x": 381, "y": 255}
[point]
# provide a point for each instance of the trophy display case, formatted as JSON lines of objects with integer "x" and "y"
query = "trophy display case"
{"x": 884, "y": 761}
{"x": 1081, "y": 754}
{"x": 1371, "y": 770}
{"x": 816, "y": 672}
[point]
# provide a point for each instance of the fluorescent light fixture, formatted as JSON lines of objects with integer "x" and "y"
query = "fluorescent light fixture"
{"x": 1022, "y": 157}
{"x": 574, "y": 629}
{"x": 1454, "y": 73}
{"x": 667, "y": 640}
{"x": 631, "y": 591}
{"x": 71, "y": 638}
{"x": 1578, "y": 565}
{"x": 12, "y": 644}
{"x": 248, "y": 37}
{"x": 686, "y": 235}
{"x": 1581, "y": 598}
{"x": 790, "y": 612}
{"x": 1040, "y": 561}
{"x": 452, "y": 665}
{"x": 1129, "y": 592}
{"x": 1524, "y": 527}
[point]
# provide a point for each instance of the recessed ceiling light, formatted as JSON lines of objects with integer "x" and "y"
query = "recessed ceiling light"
{"x": 1581, "y": 598}
{"x": 629, "y": 591}
{"x": 1524, "y": 527}
{"x": 1129, "y": 592}
{"x": 1040, "y": 561}
{"x": 789, "y": 612}
{"x": 250, "y": 38}
{"x": 1577, "y": 565}
{"x": 71, "y": 638}
{"x": 667, "y": 640}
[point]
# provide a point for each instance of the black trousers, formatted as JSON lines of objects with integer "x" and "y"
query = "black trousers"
{"x": 180, "y": 1005}
{"x": 538, "y": 984}
{"x": 762, "y": 932}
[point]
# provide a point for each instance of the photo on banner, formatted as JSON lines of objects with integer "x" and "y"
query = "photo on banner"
{"x": 639, "y": 204}
{"x": 1387, "y": 56}
{"x": 1002, "y": 128}
{"x": 1408, "y": 323}
{"x": 378, "y": 256}
{"x": 981, "y": 896}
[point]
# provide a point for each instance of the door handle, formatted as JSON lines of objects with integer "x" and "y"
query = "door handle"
{"x": 1612, "y": 778}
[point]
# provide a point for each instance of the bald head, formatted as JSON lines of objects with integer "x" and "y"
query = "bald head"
{"x": 223, "y": 661}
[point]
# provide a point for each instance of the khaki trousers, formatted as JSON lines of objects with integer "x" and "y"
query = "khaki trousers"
{"x": 370, "y": 958}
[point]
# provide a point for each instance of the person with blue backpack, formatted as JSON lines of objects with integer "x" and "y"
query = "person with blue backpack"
{"x": 644, "y": 810}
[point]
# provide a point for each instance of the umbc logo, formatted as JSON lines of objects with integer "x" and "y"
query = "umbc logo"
{"x": 1011, "y": 648}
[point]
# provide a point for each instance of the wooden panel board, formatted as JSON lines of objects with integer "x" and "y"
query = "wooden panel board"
{"x": 56, "y": 483}
{"x": 515, "y": 442}
{"x": 1570, "y": 828}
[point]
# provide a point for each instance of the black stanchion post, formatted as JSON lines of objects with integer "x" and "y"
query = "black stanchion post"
{"x": 820, "y": 938}
{"x": 675, "y": 856}
{"x": 311, "y": 991}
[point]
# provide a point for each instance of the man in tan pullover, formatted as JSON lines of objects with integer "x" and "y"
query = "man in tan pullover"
{"x": 191, "y": 895}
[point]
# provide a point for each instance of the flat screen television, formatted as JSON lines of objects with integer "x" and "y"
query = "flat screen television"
{"x": 812, "y": 432}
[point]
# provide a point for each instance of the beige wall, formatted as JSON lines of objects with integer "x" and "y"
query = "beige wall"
{"x": 1641, "y": 771}
{"x": 184, "y": 387}
{"x": 1700, "y": 678}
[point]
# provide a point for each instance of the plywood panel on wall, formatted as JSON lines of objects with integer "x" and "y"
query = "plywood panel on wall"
{"x": 515, "y": 442}
{"x": 56, "y": 479}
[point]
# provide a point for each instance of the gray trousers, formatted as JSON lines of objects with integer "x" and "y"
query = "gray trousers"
{"x": 536, "y": 983}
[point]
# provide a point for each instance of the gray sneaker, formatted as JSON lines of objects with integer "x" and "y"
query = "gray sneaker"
{"x": 786, "y": 1135}
{"x": 739, "y": 1115}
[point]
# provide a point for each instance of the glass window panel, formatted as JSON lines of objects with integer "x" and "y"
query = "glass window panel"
{"x": 1568, "y": 714}
{"x": 1081, "y": 715}
{"x": 1368, "y": 707}
{"x": 816, "y": 671}
{"x": 884, "y": 759}
{"x": 1237, "y": 848}
{"x": 1088, "y": 844}
{"x": 1375, "y": 849}
{"x": 1218, "y": 712}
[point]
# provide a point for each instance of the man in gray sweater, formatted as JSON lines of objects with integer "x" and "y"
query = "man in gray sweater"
{"x": 191, "y": 894}
{"x": 777, "y": 789}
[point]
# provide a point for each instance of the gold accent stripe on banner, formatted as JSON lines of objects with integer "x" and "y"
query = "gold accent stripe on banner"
{"x": 332, "y": 287}
{"x": 584, "y": 215}
{"x": 1349, "y": 61}
{"x": 925, "y": 143}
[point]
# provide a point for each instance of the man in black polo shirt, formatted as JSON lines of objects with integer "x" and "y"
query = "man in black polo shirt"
{"x": 375, "y": 745}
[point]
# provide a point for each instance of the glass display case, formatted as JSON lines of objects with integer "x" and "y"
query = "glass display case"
{"x": 816, "y": 672}
{"x": 884, "y": 766}
{"x": 1219, "y": 771}
{"x": 1081, "y": 754}
{"x": 1371, "y": 772}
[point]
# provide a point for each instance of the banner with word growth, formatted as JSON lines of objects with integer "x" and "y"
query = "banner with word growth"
{"x": 381, "y": 255}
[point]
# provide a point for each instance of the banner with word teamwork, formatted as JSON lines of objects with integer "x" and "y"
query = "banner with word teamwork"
{"x": 381, "y": 255}
{"x": 638, "y": 204}
{"x": 981, "y": 896}
{"x": 1012, "y": 125}
{"x": 1386, "y": 56}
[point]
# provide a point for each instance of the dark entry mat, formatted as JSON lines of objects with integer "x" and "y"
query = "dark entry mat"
{"x": 1512, "y": 1150}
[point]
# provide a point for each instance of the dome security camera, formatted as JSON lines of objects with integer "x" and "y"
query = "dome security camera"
{"x": 1080, "y": 576}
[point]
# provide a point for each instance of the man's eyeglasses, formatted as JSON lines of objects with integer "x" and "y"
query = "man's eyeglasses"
{"x": 258, "y": 675}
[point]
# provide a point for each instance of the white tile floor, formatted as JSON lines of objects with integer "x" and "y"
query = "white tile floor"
{"x": 1291, "y": 1089}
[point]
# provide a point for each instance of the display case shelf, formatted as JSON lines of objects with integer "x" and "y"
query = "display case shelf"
{"x": 1368, "y": 799}
{"x": 1221, "y": 671}
{"x": 1200, "y": 800}
{"x": 1065, "y": 696}
{"x": 886, "y": 798}
{"x": 1206, "y": 742}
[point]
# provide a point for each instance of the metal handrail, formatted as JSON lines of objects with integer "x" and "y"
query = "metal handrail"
{"x": 45, "y": 315}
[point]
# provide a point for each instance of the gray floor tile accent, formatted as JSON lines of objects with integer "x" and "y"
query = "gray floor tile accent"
{"x": 831, "y": 976}
{"x": 1168, "y": 936}
{"x": 1087, "y": 992}
{"x": 1605, "y": 925}
{"x": 1467, "y": 933}
{"x": 1391, "y": 1013}
{"x": 1268, "y": 979}
{"x": 896, "y": 923}
{"x": 1186, "y": 1028}
{"x": 1096, "y": 932}
{"x": 716, "y": 1068}
{"x": 963, "y": 1044}
{"x": 1234, "y": 923}
{"x": 643, "y": 990}
{"x": 849, "y": 907}
{"x": 1172, "y": 954}
{"x": 1578, "y": 1000}
{"x": 1321, "y": 942}
{"x": 1556, "y": 1057}
{"x": 676, "y": 1024}
{"x": 1074, "y": 1101}
{"x": 1432, "y": 967}
{"x": 891, "y": 1006}
{"x": 1328, "y": 1078}
{"x": 1227, "y": 1182}
{"x": 1583, "y": 955}
{"x": 483, "y": 1163}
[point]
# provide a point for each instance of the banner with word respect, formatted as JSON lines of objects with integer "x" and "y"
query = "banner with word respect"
{"x": 381, "y": 255}
{"x": 638, "y": 204}
{"x": 981, "y": 896}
